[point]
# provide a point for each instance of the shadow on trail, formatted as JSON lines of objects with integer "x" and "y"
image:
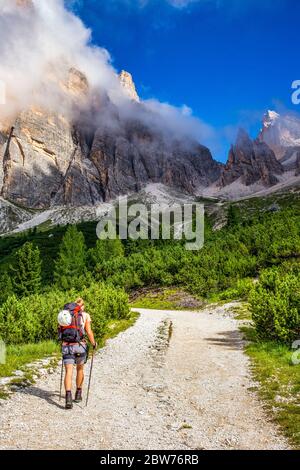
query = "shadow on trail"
{"x": 228, "y": 339}
{"x": 43, "y": 395}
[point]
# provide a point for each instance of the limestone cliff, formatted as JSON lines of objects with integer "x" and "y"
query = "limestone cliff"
{"x": 128, "y": 85}
{"x": 138, "y": 156}
{"x": 51, "y": 160}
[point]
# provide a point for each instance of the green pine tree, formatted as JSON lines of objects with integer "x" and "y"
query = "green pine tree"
{"x": 232, "y": 216}
{"x": 26, "y": 272}
{"x": 106, "y": 250}
{"x": 70, "y": 267}
{"x": 6, "y": 287}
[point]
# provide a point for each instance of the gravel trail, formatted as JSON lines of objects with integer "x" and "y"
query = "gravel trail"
{"x": 175, "y": 380}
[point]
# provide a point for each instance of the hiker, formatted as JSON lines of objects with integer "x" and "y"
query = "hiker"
{"x": 75, "y": 323}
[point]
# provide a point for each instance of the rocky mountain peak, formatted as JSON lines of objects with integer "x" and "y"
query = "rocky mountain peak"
{"x": 270, "y": 118}
{"x": 51, "y": 160}
{"x": 243, "y": 139}
{"x": 250, "y": 162}
{"x": 128, "y": 85}
{"x": 280, "y": 132}
{"x": 270, "y": 132}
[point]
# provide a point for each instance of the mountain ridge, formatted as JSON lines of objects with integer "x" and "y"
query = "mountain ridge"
{"x": 51, "y": 160}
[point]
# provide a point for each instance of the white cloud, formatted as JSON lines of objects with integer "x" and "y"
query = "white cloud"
{"x": 39, "y": 43}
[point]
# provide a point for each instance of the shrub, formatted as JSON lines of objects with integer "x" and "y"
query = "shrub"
{"x": 275, "y": 305}
{"x": 240, "y": 291}
{"x": 34, "y": 318}
{"x": 21, "y": 321}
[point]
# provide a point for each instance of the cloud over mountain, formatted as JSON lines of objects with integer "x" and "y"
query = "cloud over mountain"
{"x": 41, "y": 41}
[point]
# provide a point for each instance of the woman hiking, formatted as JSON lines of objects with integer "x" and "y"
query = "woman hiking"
{"x": 75, "y": 323}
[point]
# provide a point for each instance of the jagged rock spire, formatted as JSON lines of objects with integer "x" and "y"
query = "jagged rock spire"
{"x": 128, "y": 85}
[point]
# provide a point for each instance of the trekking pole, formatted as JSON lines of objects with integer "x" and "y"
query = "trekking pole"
{"x": 61, "y": 377}
{"x": 90, "y": 378}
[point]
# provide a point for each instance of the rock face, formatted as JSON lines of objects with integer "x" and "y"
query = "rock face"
{"x": 282, "y": 135}
{"x": 11, "y": 216}
{"x": 128, "y": 85}
{"x": 45, "y": 160}
{"x": 251, "y": 162}
{"x": 50, "y": 160}
{"x": 137, "y": 156}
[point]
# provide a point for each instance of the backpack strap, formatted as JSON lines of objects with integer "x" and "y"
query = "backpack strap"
{"x": 78, "y": 315}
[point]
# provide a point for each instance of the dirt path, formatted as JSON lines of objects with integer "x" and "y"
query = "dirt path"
{"x": 176, "y": 380}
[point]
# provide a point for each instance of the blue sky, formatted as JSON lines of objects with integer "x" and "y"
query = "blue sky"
{"x": 229, "y": 60}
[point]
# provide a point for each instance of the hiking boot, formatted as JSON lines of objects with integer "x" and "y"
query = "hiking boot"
{"x": 78, "y": 395}
{"x": 69, "y": 401}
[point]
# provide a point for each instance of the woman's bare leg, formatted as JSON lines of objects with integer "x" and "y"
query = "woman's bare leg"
{"x": 68, "y": 377}
{"x": 80, "y": 375}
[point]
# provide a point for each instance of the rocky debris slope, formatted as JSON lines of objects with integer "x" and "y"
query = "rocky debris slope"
{"x": 16, "y": 220}
{"x": 12, "y": 216}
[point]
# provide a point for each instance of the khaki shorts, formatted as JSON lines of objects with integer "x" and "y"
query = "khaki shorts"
{"x": 74, "y": 354}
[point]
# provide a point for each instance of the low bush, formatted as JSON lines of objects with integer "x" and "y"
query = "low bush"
{"x": 240, "y": 291}
{"x": 275, "y": 306}
{"x": 34, "y": 318}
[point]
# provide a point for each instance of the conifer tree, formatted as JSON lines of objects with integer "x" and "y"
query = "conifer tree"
{"x": 106, "y": 250}
{"x": 26, "y": 273}
{"x": 232, "y": 216}
{"x": 70, "y": 266}
{"x": 6, "y": 287}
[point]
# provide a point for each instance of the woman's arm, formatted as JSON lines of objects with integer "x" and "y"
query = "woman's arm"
{"x": 89, "y": 332}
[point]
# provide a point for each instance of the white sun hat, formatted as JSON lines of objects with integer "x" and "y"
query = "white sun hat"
{"x": 64, "y": 318}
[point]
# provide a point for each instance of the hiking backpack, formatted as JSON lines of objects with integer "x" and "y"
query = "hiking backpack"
{"x": 73, "y": 333}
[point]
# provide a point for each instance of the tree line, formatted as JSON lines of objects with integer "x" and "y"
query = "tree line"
{"x": 257, "y": 259}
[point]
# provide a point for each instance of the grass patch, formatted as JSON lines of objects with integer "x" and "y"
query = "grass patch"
{"x": 279, "y": 382}
{"x": 165, "y": 299}
{"x": 19, "y": 356}
{"x": 242, "y": 312}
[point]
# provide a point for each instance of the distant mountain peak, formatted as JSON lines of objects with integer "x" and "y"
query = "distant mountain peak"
{"x": 129, "y": 85}
{"x": 280, "y": 132}
{"x": 270, "y": 118}
{"x": 250, "y": 162}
